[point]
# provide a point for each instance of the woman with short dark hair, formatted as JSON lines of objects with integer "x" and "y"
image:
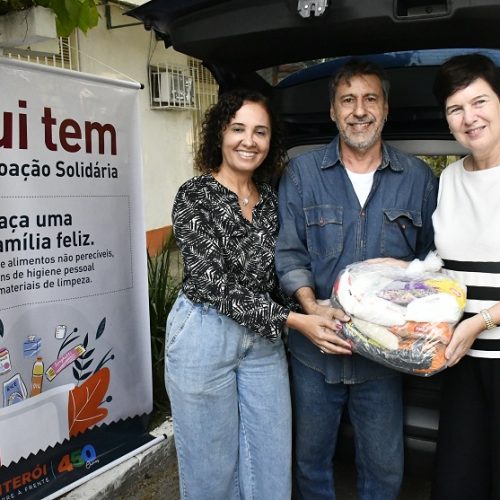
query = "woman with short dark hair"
{"x": 467, "y": 236}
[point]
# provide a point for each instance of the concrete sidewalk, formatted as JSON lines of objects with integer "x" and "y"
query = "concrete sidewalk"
{"x": 151, "y": 474}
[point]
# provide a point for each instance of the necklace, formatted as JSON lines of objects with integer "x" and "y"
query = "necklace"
{"x": 245, "y": 200}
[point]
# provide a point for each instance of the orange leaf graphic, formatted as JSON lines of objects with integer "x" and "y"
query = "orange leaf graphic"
{"x": 84, "y": 401}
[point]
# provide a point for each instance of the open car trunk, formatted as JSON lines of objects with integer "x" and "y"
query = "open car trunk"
{"x": 235, "y": 38}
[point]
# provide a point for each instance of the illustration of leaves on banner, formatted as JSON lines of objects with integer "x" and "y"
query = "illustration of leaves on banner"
{"x": 83, "y": 364}
{"x": 104, "y": 360}
{"x": 1, "y": 328}
{"x": 100, "y": 328}
{"x": 68, "y": 340}
{"x": 85, "y": 361}
{"x": 84, "y": 402}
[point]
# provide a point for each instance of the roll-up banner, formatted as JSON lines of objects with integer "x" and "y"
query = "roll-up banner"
{"x": 75, "y": 361}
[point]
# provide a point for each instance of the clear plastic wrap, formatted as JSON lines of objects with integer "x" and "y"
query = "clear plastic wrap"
{"x": 400, "y": 317}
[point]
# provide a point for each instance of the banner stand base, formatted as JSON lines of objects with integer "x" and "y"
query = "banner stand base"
{"x": 58, "y": 470}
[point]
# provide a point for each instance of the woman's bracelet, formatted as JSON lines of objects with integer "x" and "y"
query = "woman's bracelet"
{"x": 488, "y": 321}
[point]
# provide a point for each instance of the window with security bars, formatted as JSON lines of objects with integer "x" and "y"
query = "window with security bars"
{"x": 188, "y": 87}
{"x": 206, "y": 94}
{"x": 61, "y": 52}
{"x": 174, "y": 86}
{"x": 171, "y": 87}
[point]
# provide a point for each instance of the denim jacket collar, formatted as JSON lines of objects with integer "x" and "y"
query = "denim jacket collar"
{"x": 332, "y": 157}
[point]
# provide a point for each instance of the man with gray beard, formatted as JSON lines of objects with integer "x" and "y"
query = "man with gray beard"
{"x": 354, "y": 199}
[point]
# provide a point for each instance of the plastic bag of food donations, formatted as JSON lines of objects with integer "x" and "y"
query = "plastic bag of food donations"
{"x": 400, "y": 317}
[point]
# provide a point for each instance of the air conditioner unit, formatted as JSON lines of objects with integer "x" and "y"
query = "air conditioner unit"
{"x": 172, "y": 88}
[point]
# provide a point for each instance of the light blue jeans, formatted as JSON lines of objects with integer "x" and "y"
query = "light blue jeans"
{"x": 375, "y": 411}
{"x": 230, "y": 398}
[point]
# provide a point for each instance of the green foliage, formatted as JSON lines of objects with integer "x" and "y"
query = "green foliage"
{"x": 70, "y": 14}
{"x": 164, "y": 284}
{"x": 439, "y": 162}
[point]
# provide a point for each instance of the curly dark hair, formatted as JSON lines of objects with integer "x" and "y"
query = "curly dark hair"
{"x": 208, "y": 157}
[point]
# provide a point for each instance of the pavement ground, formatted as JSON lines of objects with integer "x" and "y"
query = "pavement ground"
{"x": 153, "y": 475}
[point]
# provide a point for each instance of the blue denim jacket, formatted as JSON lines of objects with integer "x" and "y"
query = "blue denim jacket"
{"x": 323, "y": 228}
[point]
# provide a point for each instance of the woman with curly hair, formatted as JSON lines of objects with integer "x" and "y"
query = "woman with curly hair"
{"x": 226, "y": 370}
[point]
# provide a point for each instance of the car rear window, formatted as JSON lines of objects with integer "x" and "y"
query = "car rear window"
{"x": 295, "y": 73}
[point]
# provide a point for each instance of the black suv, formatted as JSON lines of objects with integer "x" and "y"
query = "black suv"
{"x": 288, "y": 49}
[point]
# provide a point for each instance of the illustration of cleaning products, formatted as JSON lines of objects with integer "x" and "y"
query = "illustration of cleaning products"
{"x": 65, "y": 360}
{"x": 31, "y": 346}
{"x": 60, "y": 332}
{"x": 14, "y": 391}
{"x": 37, "y": 377}
{"x": 5, "y": 365}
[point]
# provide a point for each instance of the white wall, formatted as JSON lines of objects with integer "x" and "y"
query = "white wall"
{"x": 166, "y": 134}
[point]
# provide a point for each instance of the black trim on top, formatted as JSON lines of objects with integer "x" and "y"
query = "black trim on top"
{"x": 483, "y": 293}
{"x": 486, "y": 345}
{"x": 472, "y": 267}
{"x": 467, "y": 316}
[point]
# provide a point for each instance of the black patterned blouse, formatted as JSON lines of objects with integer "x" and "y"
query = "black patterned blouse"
{"x": 228, "y": 260}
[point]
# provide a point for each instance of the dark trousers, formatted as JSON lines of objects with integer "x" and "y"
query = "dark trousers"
{"x": 468, "y": 452}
